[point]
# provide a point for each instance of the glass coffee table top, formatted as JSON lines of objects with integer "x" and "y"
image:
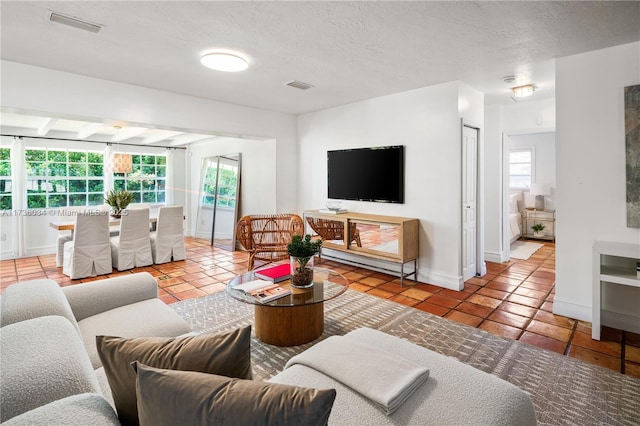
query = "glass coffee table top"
{"x": 327, "y": 284}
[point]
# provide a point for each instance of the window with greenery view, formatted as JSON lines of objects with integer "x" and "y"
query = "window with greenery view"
{"x": 227, "y": 185}
{"x": 5, "y": 179}
{"x": 60, "y": 178}
{"x": 147, "y": 180}
{"x": 520, "y": 168}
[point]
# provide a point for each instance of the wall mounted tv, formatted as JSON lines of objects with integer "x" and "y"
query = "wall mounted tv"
{"x": 367, "y": 174}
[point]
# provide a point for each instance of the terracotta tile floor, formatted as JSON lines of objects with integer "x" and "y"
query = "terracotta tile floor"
{"x": 513, "y": 300}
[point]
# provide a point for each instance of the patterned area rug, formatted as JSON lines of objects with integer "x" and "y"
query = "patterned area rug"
{"x": 564, "y": 390}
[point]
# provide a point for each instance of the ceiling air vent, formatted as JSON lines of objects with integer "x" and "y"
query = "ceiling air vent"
{"x": 299, "y": 85}
{"x": 74, "y": 22}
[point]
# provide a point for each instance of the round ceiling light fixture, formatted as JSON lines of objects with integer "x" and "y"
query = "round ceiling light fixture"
{"x": 224, "y": 61}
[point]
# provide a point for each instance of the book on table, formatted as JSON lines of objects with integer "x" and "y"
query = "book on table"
{"x": 274, "y": 274}
{"x": 332, "y": 211}
{"x": 263, "y": 291}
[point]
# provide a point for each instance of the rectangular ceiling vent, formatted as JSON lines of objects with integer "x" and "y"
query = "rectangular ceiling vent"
{"x": 299, "y": 85}
{"x": 74, "y": 22}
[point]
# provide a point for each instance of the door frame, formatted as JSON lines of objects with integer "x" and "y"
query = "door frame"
{"x": 481, "y": 266}
{"x": 506, "y": 188}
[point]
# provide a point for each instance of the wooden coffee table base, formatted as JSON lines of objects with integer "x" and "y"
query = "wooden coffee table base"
{"x": 289, "y": 326}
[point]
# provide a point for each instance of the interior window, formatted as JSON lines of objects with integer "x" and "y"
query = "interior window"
{"x": 520, "y": 162}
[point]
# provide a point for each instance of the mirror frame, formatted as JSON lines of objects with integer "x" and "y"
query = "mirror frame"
{"x": 216, "y": 160}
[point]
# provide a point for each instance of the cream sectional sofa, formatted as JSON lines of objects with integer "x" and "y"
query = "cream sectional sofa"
{"x": 50, "y": 372}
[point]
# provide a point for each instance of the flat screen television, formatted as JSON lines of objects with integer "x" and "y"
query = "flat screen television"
{"x": 367, "y": 174}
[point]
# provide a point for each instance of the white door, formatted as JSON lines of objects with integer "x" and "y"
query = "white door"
{"x": 469, "y": 201}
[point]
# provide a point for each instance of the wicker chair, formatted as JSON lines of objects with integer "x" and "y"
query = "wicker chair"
{"x": 333, "y": 230}
{"x": 265, "y": 237}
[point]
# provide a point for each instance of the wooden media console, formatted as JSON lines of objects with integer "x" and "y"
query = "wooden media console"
{"x": 388, "y": 238}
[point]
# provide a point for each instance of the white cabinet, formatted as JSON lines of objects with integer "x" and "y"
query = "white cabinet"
{"x": 614, "y": 264}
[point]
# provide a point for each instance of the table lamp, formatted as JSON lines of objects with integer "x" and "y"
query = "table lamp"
{"x": 539, "y": 190}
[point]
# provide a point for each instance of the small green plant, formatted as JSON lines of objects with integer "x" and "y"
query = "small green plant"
{"x": 119, "y": 200}
{"x": 538, "y": 227}
{"x": 301, "y": 251}
{"x": 303, "y": 248}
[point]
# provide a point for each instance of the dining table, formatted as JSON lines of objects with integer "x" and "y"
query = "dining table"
{"x": 69, "y": 225}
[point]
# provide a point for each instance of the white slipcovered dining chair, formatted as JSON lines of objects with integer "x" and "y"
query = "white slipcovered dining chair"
{"x": 132, "y": 248}
{"x": 65, "y": 214}
{"x": 168, "y": 240}
{"x": 89, "y": 253}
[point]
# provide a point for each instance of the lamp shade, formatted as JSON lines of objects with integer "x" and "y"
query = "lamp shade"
{"x": 539, "y": 189}
{"x": 121, "y": 163}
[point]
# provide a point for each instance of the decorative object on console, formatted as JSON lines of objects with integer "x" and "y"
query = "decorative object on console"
{"x": 334, "y": 205}
{"x": 118, "y": 200}
{"x": 301, "y": 252}
{"x": 539, "y": 190}
{"x": 537, "y": 230}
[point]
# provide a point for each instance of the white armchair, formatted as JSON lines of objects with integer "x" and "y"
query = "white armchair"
{"x": 132, "y": 248}
{"x": 89, "y": 253}
{"x": 168, "y": 240}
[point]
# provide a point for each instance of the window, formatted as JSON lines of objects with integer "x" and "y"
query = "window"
{"x": 147, "y": 180}
{"x": 60, "y": 178}
{"x": 5, "y": 179}
{"x": 520, "y": 168}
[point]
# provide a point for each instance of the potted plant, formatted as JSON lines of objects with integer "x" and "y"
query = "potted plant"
{"x": 301, "y": 252}
{"x": 118, "y": 200}
{"x": 537, "y": 230}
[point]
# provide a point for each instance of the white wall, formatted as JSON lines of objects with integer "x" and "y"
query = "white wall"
{"x": 427, "y": 122}
{"x": 257, "y": 176}
{"x": 29, "y": 88}
{"x": 590, "y": 154}
{"x": 493, "y": 184}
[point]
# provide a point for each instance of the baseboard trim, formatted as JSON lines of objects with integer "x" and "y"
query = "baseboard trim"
{"x": 441, "y": 280}
{"x": 492, "y": 256}
{"x": 571, "y": 310}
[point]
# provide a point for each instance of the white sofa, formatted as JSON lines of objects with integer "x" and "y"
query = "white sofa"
{"x": 50, "y": 372}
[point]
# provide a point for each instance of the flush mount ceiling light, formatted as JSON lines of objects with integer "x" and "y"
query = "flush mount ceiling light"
{"x": 224, "y": 61}
{"x": 523, "y": 91}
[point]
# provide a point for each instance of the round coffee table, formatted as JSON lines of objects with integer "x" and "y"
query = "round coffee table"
{"x": 297, "y": 318}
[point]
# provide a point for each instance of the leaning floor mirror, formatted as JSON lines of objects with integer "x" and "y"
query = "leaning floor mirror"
{"x": 219, "y": 199}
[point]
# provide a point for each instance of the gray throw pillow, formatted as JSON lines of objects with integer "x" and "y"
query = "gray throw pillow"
{"x": 169, "y": 397}
{"x": 227, "y": 354}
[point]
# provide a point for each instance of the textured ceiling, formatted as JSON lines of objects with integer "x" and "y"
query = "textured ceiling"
{"x": 348, "y": 50}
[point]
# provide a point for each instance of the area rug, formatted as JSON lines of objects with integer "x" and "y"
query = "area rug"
{"x": 524, "y": 249}
{"x": 564, "y": 390}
